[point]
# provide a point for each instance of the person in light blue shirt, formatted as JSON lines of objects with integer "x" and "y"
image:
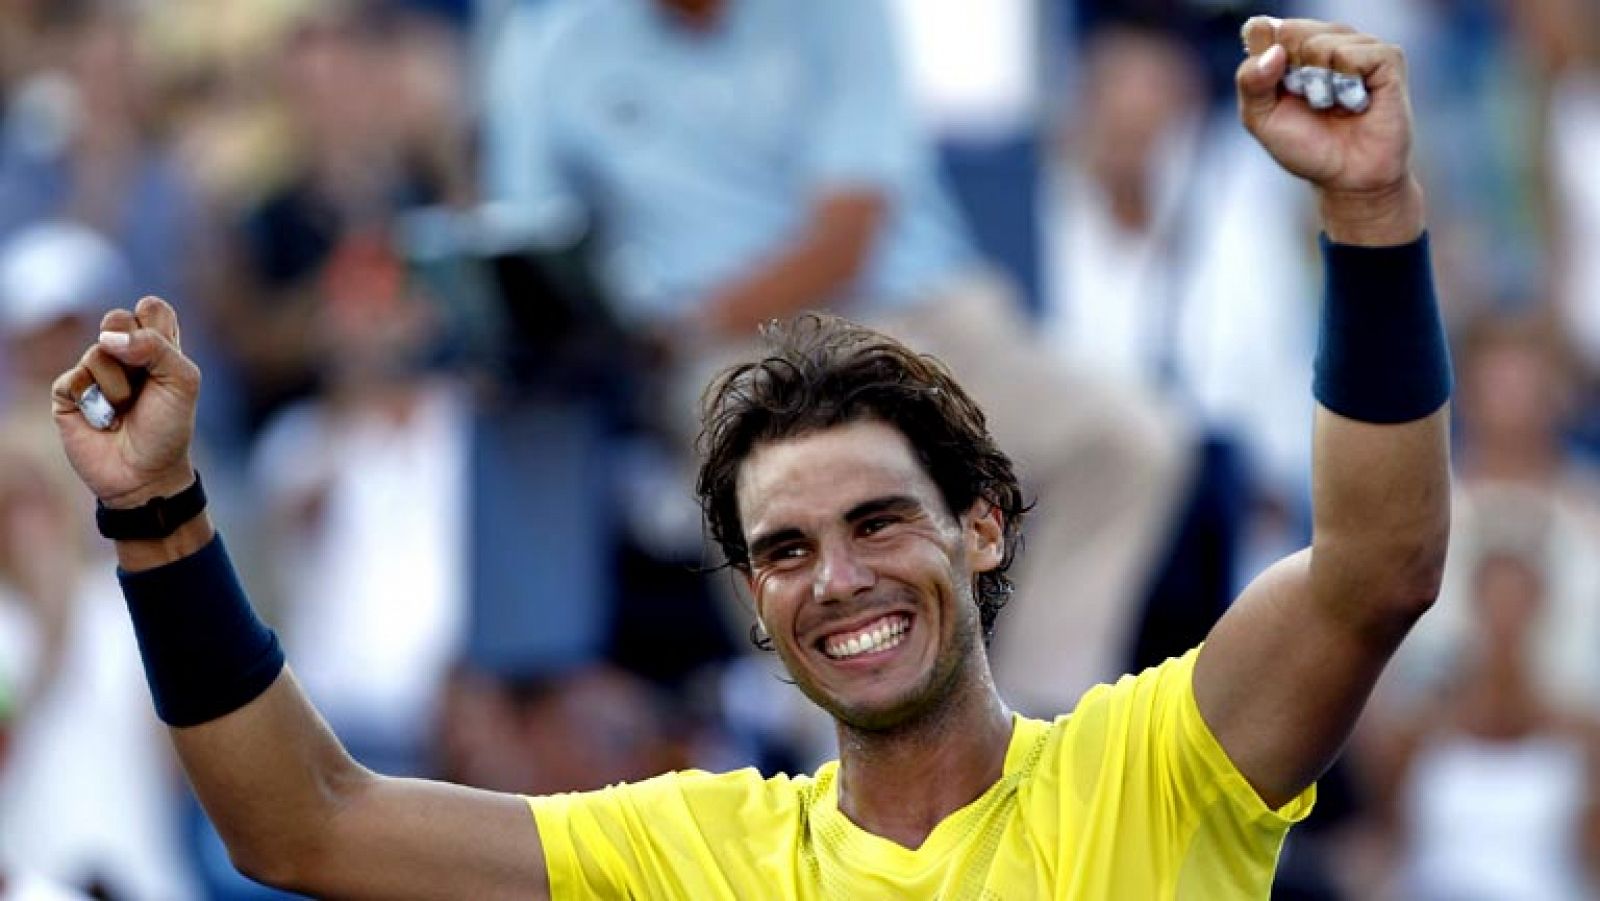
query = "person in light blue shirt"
{"x": 744, "y": 160}
{"x": 725, "y": 147}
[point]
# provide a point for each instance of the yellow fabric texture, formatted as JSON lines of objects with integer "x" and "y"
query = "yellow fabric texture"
{"x": 1129, "y": 796}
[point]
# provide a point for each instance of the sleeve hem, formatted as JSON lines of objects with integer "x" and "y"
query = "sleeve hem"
{"x": 1230, "y": 781}
{"x": 559, "y": 855}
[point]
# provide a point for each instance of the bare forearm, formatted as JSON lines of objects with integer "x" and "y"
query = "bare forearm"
{"x": 806, "y": 277}
{"x": 808, "y": 273}
{"x": 294, "y": 809}
{"x": 267, "y": 773}
{"x": 1381, "y": 491}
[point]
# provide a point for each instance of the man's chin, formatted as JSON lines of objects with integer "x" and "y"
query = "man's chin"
{"x": 879, "y": 717}
{"x": 890, "y": 704}
{"x": 886, "y": 712}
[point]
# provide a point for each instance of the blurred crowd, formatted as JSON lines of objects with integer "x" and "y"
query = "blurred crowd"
{"x": 455, "y": 272}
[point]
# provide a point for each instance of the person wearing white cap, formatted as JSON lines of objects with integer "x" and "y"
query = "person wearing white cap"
{"x": 54, "y": 275}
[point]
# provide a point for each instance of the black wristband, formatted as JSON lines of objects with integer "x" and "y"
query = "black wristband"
{"x": 206, "y": 654}
{"x": 1382, "y": 355}
{"x": 155, "y": 519}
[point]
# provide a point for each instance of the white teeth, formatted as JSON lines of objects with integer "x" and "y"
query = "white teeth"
{"x": 886, "y": 635}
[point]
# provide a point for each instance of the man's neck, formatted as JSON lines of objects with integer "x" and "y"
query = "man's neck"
{"x": 901, "y": 784}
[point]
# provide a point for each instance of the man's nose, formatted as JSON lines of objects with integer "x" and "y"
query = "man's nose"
{"x": 841, "y": 573}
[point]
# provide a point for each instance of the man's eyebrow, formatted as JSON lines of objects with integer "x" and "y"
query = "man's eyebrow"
{"x": 894, "y": 503}
{"x": 765, "y": 543}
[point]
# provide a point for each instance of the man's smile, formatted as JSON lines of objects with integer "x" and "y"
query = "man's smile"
{"x": 870, "y": 639}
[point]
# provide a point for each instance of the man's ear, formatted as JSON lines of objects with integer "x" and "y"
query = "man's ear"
{"x": 984, "y": 531}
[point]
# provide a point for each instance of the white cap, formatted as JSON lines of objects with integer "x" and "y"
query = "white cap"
{"x": 57, "y": 269}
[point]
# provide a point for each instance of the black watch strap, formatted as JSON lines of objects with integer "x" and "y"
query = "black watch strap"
{"x": 154, "y": 519}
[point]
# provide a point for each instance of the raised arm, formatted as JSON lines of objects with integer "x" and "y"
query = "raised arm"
{"x": 295, "y": 810}
{"x": 1285, "y": 674}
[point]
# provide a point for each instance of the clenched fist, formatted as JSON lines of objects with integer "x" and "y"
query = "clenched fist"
{"x": 1360, "y": 163}
{"x": 142, "y": 371}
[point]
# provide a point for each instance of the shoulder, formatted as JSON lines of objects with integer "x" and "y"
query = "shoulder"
{"x": 682, "y": 834}
{"x": 1121, "y": 720}
{"x": 1159, "y": 692}
{"x": 744, "y": 786}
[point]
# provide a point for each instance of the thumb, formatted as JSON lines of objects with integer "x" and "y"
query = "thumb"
{"x": 150, "y": 350}
{"x": 1257, "y": 81}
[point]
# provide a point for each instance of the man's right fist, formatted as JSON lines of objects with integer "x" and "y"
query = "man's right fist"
{"x": 140, "y": 368}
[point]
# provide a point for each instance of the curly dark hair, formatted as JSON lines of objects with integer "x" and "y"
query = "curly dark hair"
{"x": 821, "y": 371}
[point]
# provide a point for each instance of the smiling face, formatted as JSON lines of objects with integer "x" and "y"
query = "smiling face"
{"x": 862, "y": 577}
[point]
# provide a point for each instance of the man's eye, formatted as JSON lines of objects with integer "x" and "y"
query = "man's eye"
{"x": 876, "y": 525}
{"x": 786, "y": 553}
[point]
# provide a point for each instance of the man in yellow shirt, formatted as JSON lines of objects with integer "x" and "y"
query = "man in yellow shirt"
{"x": 855, "y": 487}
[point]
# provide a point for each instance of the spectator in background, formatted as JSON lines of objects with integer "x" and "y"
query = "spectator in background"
{"x": 87, "y": 792}
{"x": 1519, "y": 488}
{"x": 53, "y": 275}
{"x": 1158, "y": 272}
{"x": 369, "y": 126}
{"x": 21, "y": 21}
{"x": 85, "y": 141}
{"x": 372, "y": 469}
{"x": 1565, "y": 34}
{"x": 19, "y": 882}
{"x": 741, "y": 160}
{"x": 574, "y": 731}
{"x": 1493, "y": 791}
{"x": 84, "y": 144}
{"x": 52, "y": 278}
{"x": 1526, "y": 516}
{"x": 1481, "y": 94}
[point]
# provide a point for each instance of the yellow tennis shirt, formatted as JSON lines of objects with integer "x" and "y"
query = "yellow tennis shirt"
{"x": 1128, "y": 797}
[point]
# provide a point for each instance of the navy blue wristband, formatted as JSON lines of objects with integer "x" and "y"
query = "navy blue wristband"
{"x": 205, "y": 652}
{"x": 1382, "y": 355}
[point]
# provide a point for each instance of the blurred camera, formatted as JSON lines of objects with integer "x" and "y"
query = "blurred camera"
{"x": 512, "y": 303}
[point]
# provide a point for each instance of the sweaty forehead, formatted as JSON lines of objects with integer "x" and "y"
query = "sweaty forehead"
{"x": 823, "y": 474}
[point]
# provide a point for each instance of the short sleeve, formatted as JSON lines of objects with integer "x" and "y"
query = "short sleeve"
{"x": 679, "y": 835}
{"x": 1144, "y": 797}
{"x": 865, "y": 130}
{"x": 585, "y": 856}
{"x": 1197, "y": 764}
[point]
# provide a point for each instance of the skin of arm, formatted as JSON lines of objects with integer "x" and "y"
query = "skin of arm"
{"x": 292, "y": 806}
{"x": 806, "y": 273}
{"x": 1284, "y": 675}
{"x": 298, "y": 813}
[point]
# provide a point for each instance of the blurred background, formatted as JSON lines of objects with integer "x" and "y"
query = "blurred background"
{"x": 454, "y": 271}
